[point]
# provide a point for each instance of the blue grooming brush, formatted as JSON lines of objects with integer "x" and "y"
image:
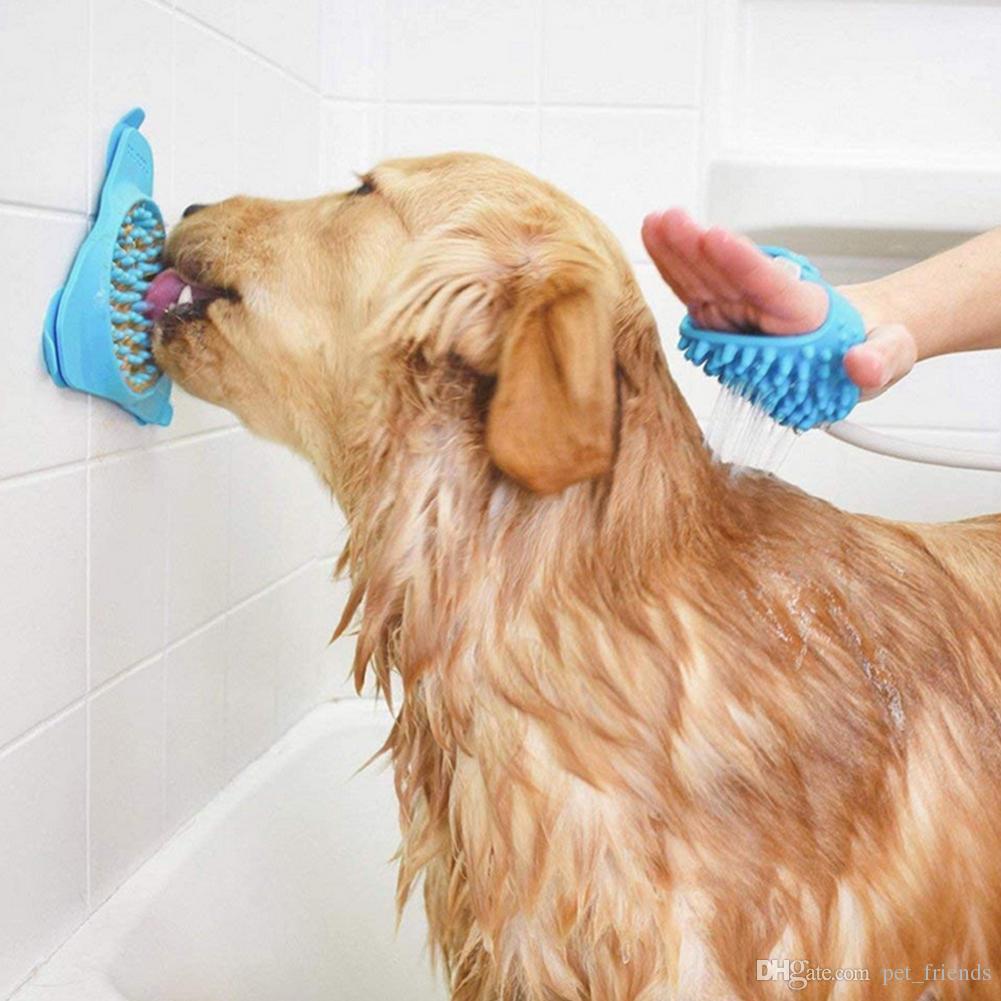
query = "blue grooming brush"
{"x": 799, "y": 380}
{"x": 97, "y": 337}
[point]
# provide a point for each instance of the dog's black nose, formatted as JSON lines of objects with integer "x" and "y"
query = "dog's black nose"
{"x": 191, "y": 210}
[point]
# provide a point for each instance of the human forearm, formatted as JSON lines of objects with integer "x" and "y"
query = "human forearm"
{"x": 950, "y": 302}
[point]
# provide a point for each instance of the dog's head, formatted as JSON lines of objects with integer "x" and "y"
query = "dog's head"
{"x": 481, "y": 287}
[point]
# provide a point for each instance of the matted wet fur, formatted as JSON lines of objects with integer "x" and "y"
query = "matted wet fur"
{"x": 659, "y": 720}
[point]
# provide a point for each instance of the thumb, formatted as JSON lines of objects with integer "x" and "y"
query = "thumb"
{"x": 887, "y": 355}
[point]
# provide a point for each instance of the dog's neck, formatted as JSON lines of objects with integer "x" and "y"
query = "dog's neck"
{"x": 439, "y": 538}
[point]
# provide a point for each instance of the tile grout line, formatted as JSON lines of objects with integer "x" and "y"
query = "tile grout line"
{"x": 224, "y": 722}
{"x": 37, "y": 210}
{"x": 75, "y": 465}
{"x": 167, "y": 474}
{"x": 234, "y": 43}
{"x": 88, "y": 655}
{"x": 35, "y": 729}
{"x": 381, "y": 83}
{"x": 585, "y": 106}
{"x": 702, "y": 143}
{"x": 539, "y": 64}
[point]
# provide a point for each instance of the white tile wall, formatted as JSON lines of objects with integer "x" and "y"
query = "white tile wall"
{"x": 470, "y": 50}
{"x": 508, "y": 132}
{"x": 276, "y": 504}
{"x": 41, "y": 425}
{"x": 352, "y": 59}
{"x": 622, "y": 163}
{"x": 647, "y": 52}
{"x": 288, "y": 34}
{"x": 43, "y": 843}
{"x": 122, "y": 73}
{"x": 133, "y": 567}
{"x": 204, "y": 112}
{"x": 278, "y": 136}
{"x": 45, "y": 102}
{"x": 128, "y": 545}
{"x": 930, "y": 88}
{"x": 195, "y": 749}
{"x": 198, "y": 538}
{"x": 43, "y": 614}
{"x": 165, "y": 600}
{"x": 126, "y": 776}
{"x": 351, "y": 140}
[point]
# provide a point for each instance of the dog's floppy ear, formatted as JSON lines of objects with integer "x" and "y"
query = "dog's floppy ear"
{"x": 524, "y": 304}
{"x": 551, "y": 419}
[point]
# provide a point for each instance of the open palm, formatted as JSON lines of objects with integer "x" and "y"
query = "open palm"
{"x": 728, "y": 283}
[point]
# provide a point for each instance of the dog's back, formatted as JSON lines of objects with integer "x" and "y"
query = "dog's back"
{"x": 860, "y": 706}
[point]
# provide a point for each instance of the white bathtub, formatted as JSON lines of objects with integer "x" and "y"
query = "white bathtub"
{"x": 280, "y": 890}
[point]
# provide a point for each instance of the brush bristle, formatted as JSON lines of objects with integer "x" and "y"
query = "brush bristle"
{"x": 135, "y": 262}
{"x": 798, "y": 385}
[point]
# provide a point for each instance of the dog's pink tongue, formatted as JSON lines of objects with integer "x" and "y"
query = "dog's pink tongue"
{"x": 163, "y": 292}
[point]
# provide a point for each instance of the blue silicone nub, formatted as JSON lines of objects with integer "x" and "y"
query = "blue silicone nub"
{"x": 96, "y": 335}
{"x": 799, "y": 380}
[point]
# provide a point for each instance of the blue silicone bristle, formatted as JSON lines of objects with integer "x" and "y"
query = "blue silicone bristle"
{"x": 800, "y": 380}
{"x": 97, "y": 335}
{"x": 135, "y": 261}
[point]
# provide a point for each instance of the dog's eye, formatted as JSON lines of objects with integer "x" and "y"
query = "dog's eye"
{"x": 365, "y": 188}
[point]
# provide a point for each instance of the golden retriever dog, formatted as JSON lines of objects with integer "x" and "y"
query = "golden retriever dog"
{"x": 662, "y": 721}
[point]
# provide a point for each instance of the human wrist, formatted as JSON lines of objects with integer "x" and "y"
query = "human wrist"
{"x": 866, "y": 298}
{"x": 878, "y": 309}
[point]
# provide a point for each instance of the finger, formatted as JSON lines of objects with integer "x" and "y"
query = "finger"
{"x": 685, "y": 236}
{"x": 887, "y": 355}
{"x": 660, "y": 234}
{"x": 772, "y": 290}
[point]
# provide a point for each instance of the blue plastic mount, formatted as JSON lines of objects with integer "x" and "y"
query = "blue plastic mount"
{"x": 77, "y": 339}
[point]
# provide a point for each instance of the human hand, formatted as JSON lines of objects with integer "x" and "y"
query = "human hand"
{"x": 728, "y": 283}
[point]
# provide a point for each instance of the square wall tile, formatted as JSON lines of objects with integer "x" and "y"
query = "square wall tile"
{"x": 198, "y": 475}
{"x": 128, "y": 542}
{"x": 353, "y": 49}
{"x": 114, "y": 430}
{"x": 286, "y": 33}
{"x": 623, "y": 164}
{"x": 126, "y": 73}
{"x": 126, "y": 777}
{"x": 205, "y": 151}
{"x": 510, "y": 133}
{"x": 351, "y": 143}
{"x": 195, "y": 722}
{"x": 43, "y": 56}
{"x": 255, "y": 638}
{"x": 277, "y": 506}
{"x": 473, "y": 50}
{"x": 42, "y": 424}
{"x": 43, "y": 845}
{"x": 657, "y": 43}
{"x": 299, "y": 681}
{"x": 43, "y": 599}
{"x": 278, "y": 133}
